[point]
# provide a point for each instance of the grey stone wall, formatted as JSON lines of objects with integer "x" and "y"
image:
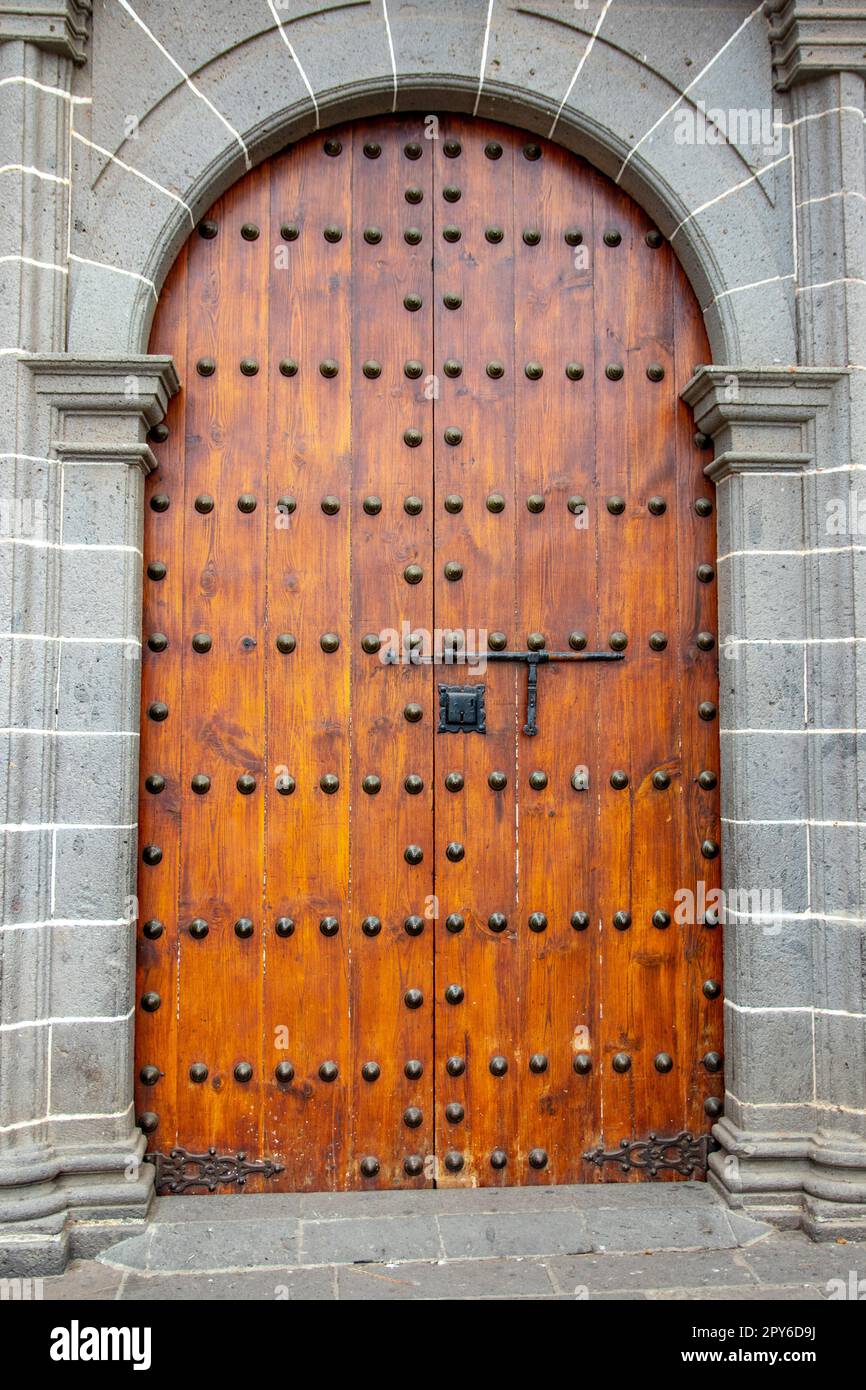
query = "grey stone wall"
{"x": 740, "y": 128}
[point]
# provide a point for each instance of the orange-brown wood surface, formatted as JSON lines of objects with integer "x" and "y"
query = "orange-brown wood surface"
{"x": 359, "y": 326}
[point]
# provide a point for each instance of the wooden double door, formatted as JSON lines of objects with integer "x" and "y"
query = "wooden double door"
{"x": 386, "y": 936}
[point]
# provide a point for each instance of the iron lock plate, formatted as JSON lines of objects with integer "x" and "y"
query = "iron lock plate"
{"x": 461, "y": 709}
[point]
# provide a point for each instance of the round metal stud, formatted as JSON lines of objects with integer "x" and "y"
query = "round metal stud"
{"x": 413, "y": 369}
{"x": 204, "y": 503}
{"x": 207, "y": 229}
{"x": 612, "y": 237}
{"x": 413, "y": 236}
{"x": 153, "y": 928}
{"x": 621, "y": 1062}
{"x": 246, "y": 784}
{"x": 372, "y": 235}
{"x": 532, "y": 152}
{"x": 156, "y": 570}
{"x": 413, "y": 784}
{"x": 284, "y": 1072}
{"x": 243, "y": 928}
{"x": 454, "y": 1161}
{"x": 453, "y": 503}
{"x": 201, "y": 642}
{"x": 414, "y": 194}
{"x": 498, "y": 1159}
{"x": 290, "y": 231}
{"x": 706, "y": 574}
{"x": 661, "y": 780}
{"x": 372, "y": 370}
{"x": 413, "y": 574}
{"x": 657, "y": 506}
{"x": 710, "y": 849}
{"x": 497, "y": 922}
{"x": 412, "y": 438}
{"x": 451, "y": 233}
{"x": 150, "y": 1002}
{"x": 284, "y": 927}
{"x": 155, "y": 783}
{"x": 160, "y": 501}
{"x": 205, "y": 366}
{"x": 536, "y": 641}
{"x": 455, "y": 1066}
{"x": 452, "y": 368}
{"x": 497, "y": 641}
{"x": 332, "y": 234}
{"x": 413, "y": 1117}
{"x": 661, "y": 919}
{"x": 152, "y": 855}
{"x": 713, "y": 1107}
{"x": 705, "y": 641}
{"x": 372, "y": 505}
{"x": 494, "y": 235}
{"x": 619, "y": 780}
{"x": 451, "y": 193}
{"x": 249, "y": 231}
{"x": 622, "y": 920}
{"x": 493, "y": 149}
{"x": 663, "y": 1062}
{"x": 413, "y": 854}
{"x": 413, "y": 150}
{"x": 454, "y": 923}
{"x": 454, "y": 782}
{"x": 707, "y": 710}
{"x": 534, "y": 371}
{"x": 249, "y": 366}
{"x": 703, "y": 506}
{"x": 372, "y": 784}
{"x": 329, "y": 926}
{"x": 453, "y": 435}
{"x": 453, "y": 571}
{"x": 454, "y": 994}
{"x": 149, "y": 1076}
{"x": 412, "y": 302}
{"x": 372, "y": 149}
{"x": 198, "y": 929}
{"x": 371, "y": 1071}
{"x": 712, "y": 989}
{"x": 454, "y": 1113}
{"x": 455, "y": 852}
{"x": 413, "y": 714}
{"x": 618, "y": 641}
{"x": 582, "y": 1064}
{"x": 413, "y": 1070}
{"x": 369, "y": 1166}
{"x": 657, "y": 641}
{"x": 574, "y": 371}
{"x": 452, "y": 300}
{"x": 614, "y": 371}
{"x": 654, "y": 239}
{"x": 580, "y": 920}
{"x": 285, "y": 642}
{"x": 414, "y": 925}
{"x": 329, "y": 1071}
{"x": 538, "y": 1158}
{"x": 707, "y": 780}
{"x": 498, "y": 1066}
{"x": 371, "y": 642}
{"x": 157, "y": 710}
{"x": 531, "y": 236}
{"x": 537, "y": 922}
{"x": 577, "y": 641}
{"x": 200, "y": 783}
{"x": 371, "y": 926}
{"x": 329, "y": 783}
{"x": 538, "y": 781}
{"x": 497, "y": 781}
{"x": 535, "y": 503}
{"x": 329, "y": 642}
{"x": 711, "y": 917}
{"x": 712, "y": 1061}
{"x": 452, "y": 149}
{"x": 285, "y": 784}
{"x": 703, "y": 441}
{"x": 655, "y": 371}
{"x": 148, "y": 1121}
{"x": 157, "y": 641}
{"x": 573, "y": 236}
{"x": 538, "y": 1063}
{"x": 413, "y": 1165}
{"x": 615, "y": 505}
{"x": 333, "y": 146}
{"x": 413, "y": 998}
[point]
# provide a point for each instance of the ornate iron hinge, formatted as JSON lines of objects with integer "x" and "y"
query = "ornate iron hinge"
{"x": 180, "y": 1170}
{"x": 682, "y": 1152}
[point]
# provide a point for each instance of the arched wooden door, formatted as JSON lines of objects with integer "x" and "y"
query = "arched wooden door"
{"x": 432, "y": 384}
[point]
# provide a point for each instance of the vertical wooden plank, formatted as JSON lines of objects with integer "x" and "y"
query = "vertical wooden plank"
{"x": 392, "y": 1105}
{"x": 160, "y": 757}
{"x": 306, "y": 1020}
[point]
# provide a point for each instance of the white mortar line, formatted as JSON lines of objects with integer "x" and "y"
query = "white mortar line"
{"x": 66, "y": 922}
{"x": 15, "y": 352}
{"x": 740, "y": 289}
{"x": 828, "y": 284}
{"x": 115, "y": 159}
{"x": 36, "y": 544}
{"x": 43, "y": 87}
{"x": 53, "y": 902}
{"x": 795, "y": 234}
{"x": 835, "y": 824}
{"x": 295, "y": 59}
{"x": 794, "y": 1104}
{"x": 120, "y": 641}
{"x": 705, "y": 69}
{"x": 586, "y": 52}
{"x": 819, "y": 115}
{"x": 36, "y": 173}
{"x": 37, "y": 265}
{"x": 761, "y": 918}
{"x": 74, "y": 733}
{"x": 824, "y": 198}
{"x": 728, "y": 192}
{"x": 125, "y": 5}
{"x": 792, "y": 732}
{"x": 65, "y": 1119}
{"x": 103, "y": 265}
{"x": 49, "y": 1022}
{"x": 772, "y": 641}
{"x": 483, "y": 56}
{"x": 790, "y": 1009}
{"x": 11, "y": 827}
{"x": 390, "y": 50}
{"x": 813, "y": 550}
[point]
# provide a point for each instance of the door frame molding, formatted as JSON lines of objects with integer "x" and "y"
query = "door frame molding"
{"x": 85, "y": 419}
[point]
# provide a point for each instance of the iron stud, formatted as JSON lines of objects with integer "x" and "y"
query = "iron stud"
{"x": 371, "y": 926}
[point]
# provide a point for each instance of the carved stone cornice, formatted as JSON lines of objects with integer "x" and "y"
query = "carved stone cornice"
{"x": 60, "y": 26}
{"x": 103, "y": 407}
{"x": 811, "y": 39}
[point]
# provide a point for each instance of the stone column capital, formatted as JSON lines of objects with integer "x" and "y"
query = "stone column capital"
{"x": 59, "y": 26}
{"x": 810, "y": 39}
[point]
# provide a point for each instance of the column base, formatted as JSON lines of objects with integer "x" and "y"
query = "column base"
{"x": 813, "y": 1182}
{"x": 59, "y": 1206}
